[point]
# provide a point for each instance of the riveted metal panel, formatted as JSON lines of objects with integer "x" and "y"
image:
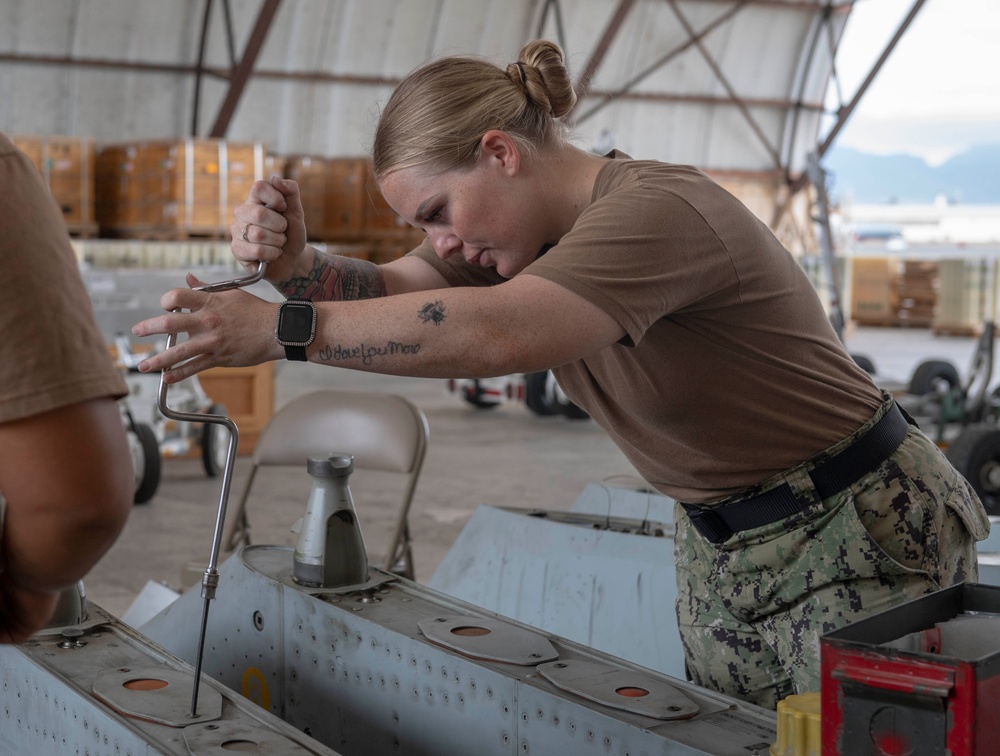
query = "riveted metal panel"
{"x": 48, "y": 703}
{"x": 359, "y": 676}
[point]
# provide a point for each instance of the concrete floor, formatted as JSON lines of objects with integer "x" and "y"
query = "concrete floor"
{"x": 504, "y": 457}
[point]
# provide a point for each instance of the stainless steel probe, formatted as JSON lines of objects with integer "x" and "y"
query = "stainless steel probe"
{"x": 210, "y": 580}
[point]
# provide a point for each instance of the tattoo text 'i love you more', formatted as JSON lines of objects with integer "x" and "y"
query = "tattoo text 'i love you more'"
{"x": 367, "y": 354}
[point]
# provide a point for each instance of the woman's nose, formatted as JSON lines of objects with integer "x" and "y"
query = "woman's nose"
{"x": 445, "y": 243}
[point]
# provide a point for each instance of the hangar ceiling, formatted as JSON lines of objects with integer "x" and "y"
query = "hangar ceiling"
{"x": 736, "y": 87}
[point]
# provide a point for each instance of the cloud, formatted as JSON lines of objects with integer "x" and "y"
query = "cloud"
{"x": 939, "y": 91}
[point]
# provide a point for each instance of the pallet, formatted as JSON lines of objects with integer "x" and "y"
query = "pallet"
{"x": 958, "y": 329}
{"x": 160, "y": 233}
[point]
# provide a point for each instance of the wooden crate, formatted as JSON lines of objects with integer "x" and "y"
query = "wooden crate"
{"x": 174, "y": 189}
{"x": 248, "y": 395}
{"x": 874, "y": 290}
{"x": 332, "y": 191}
{"x": 67, "y": 167}
{"x": 964, "y": 295}
{"x": 343, "y": 205}
{"x": 918, "y": 283}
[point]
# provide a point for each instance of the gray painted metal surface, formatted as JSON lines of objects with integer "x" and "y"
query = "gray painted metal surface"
{"x": 49, "y": 701}
{"x": 597, "y": 576}
{"x": 353, "y": 670}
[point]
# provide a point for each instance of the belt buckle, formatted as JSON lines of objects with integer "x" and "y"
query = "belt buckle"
{"x": 708, "y": 523}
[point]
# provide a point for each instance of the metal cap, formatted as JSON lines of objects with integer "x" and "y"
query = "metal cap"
{"x": 334, "y": 466}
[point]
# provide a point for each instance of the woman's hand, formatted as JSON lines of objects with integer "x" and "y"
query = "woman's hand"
{"x": 225, "y": 329}
{"x": 270, "y": 226}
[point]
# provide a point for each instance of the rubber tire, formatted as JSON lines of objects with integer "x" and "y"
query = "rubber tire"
{"x": 474, "y": 396}
{"x": 214, "y": 443}
{"x": 928, "y": 375}
{"x": 151, "y": 462}
{"x": 864, "y": 362}
{"x": 974, "y": 453}
{"x": 536, "y": 394}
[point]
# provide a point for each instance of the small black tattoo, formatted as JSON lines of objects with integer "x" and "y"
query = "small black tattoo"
{"x": 432, "y": 312}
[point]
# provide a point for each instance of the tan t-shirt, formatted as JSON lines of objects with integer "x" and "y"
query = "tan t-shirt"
{"x": 730, "y": 371}
{"x": 51, "y": 351}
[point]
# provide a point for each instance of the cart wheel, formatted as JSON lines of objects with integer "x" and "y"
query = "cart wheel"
{"x": 976, "y": 454}
{"x": 934, "y": 377}
{"x": 864, "y": 362}
{"x": 537, "y": 395}
{"x": 475, "y": 396}
{"x": 145, "y": 461}
{"x": 214, "y": 443}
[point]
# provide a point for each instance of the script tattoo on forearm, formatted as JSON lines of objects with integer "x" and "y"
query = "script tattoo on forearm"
{"x": 336, "y": 278}
{"x": 432, "y": 312}
{"x": 366, "y": 353}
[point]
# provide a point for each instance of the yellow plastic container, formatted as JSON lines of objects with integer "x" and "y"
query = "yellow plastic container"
{"x": 798, "y": 726}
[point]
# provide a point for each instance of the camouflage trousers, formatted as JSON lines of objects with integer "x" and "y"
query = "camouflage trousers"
{"x": 751, "y": 609}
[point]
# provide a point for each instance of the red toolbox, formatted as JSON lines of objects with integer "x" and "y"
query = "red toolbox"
{"x": 934, "y": 690}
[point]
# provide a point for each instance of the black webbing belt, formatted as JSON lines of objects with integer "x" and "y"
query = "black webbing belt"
{"x": 718, "y": 523}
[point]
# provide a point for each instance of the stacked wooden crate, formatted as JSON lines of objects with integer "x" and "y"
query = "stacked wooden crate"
{"x": 174, "y": 189}
{"x": 344, "y": 208}
{"x": 247, "y": 393}
{"x": 965, "y": 296}
{"x": 67, "y": 167}
{"x": 874, "y": 290}
{"x": 917, "y": 293}
{"x": 887, "y": 291}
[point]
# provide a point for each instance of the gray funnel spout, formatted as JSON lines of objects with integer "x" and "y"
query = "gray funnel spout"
{"x": 330, "y": 552}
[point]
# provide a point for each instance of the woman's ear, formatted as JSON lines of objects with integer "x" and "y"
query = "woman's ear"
{"x": 499, "y": 149}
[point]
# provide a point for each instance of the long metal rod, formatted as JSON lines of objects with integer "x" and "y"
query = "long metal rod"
{"x": 243, "y": 69}
{"x": 210, "y": 580}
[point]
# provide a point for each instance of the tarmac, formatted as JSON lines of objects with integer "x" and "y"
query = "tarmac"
{"x": 505, "y": 456}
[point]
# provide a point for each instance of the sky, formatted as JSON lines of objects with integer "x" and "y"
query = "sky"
{"x": 939, "y": 92}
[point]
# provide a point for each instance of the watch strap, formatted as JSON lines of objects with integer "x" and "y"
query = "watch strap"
{"x": 296, "y": 353}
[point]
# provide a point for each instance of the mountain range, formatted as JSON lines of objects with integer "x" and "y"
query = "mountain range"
{"x": 970, "y": 177}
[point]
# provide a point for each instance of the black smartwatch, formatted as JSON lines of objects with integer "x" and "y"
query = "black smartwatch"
{"x": 296, "y": 328}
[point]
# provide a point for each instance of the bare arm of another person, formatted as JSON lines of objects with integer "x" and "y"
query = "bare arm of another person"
{"x": 67, "y": 477}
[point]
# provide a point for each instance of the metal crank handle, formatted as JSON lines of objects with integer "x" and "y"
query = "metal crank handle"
{"x": 210, "y": 580}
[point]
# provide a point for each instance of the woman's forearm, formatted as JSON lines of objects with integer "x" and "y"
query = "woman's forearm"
{"x": 324, "y": 277}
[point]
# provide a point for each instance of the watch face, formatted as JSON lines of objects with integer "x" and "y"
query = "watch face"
{"x": 296, "y": 323}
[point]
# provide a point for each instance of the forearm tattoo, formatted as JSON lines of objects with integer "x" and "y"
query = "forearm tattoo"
{"x": 336, "y": 278}
{"x": 432, "y": 312}
{"x": 366, "y": 353}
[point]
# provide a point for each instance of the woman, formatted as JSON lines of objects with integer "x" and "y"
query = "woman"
{"x": 668, "y": 312}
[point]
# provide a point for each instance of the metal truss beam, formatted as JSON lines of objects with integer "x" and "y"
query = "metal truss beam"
{"x": 243, "y": 69}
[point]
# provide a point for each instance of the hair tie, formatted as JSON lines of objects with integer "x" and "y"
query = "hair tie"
{"x": 520, "y": 69}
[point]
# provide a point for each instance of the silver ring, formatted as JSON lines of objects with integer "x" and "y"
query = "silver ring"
{"x": 244, "y": 234}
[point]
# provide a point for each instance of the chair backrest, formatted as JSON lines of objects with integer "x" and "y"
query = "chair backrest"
{"x": 382, "y": 432}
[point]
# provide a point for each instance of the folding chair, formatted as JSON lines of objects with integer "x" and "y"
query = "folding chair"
{"x": 382, "y": 431}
